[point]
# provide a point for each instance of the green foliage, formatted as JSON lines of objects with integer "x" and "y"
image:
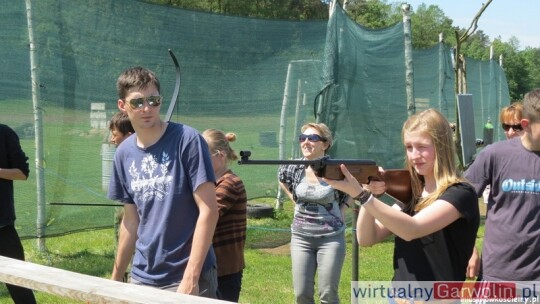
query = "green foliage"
{"x": 476, "y": 46}
{"x": 515, "y": 67}
{"x": 531, "y": 56}
{"x": 270, "y": 9}
{"x": 427, "y": 23}
{"x": 521, "y": 74}
{"x": 374, "y": 14}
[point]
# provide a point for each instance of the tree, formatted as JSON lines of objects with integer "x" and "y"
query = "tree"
{"x": 428, "y": 23}
{"x": 531, "y": 57}
{"x": 514, "y": 66}
{"x": 271, "y": 9}
{"x": 477, "y": 46}
{"x": 374, "y": 14}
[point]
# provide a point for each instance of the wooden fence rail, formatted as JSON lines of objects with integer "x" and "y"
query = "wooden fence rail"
{"x": 86, "y": 288}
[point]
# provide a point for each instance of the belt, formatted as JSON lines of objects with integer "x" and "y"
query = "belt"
{"x": 326, "y": 206}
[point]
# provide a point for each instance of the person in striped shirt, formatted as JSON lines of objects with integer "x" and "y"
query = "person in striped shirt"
{"x": 230, "y": 235}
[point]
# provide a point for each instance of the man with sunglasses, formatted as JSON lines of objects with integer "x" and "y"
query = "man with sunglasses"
{"x": 512, "y": 169}
{"x": 164, "y": 177}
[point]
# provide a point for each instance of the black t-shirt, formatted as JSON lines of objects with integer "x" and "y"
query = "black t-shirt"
{"x": 443, "y": 255}
{"x": 11, "y": 157}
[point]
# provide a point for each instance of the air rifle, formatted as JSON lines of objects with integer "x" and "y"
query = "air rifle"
{"x": 398, "y": 181}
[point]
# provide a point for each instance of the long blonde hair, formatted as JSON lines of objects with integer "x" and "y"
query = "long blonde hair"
{"x": 433, "y": 124}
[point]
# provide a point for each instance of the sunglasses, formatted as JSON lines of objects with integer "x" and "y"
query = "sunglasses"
{"x": 138, "y": 103}
{"x": 310, "y": 138}
{"x": 514, "y": 127}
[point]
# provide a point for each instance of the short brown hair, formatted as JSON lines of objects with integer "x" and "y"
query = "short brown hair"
{"x": 531, "y": 106}
{"x": 120, "y": 121}
{"x": 135, "y": 77}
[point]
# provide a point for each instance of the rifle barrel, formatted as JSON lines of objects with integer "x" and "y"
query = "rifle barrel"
{"x": 321, "y": 161}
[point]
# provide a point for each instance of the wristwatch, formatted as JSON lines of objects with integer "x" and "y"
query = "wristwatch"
{"x": 362, "y": 198}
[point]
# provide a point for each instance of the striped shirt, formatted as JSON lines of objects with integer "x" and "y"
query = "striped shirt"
{"x": 230, "y": 236}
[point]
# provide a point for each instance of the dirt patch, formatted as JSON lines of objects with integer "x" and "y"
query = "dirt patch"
{"x": 281, "y": 250}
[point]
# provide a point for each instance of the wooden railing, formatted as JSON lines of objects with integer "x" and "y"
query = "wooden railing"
{"x": 86, "y": 288}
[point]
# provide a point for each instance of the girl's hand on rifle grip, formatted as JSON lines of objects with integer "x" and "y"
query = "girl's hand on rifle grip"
{"x": 377, "y": 186}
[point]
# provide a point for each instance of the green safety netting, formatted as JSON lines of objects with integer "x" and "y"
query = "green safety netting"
{"x": 364, "y": 99}
{"x": 261, "y": 79}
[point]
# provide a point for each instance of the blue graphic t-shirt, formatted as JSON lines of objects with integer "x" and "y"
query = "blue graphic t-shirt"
{"x": 160, "y": 181}
{"x": 512, "y": 235}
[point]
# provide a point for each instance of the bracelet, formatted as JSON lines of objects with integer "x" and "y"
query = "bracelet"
{"x": 364, "y": 197}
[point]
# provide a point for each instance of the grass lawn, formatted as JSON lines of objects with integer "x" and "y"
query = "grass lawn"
{"x": 267, "y": 276}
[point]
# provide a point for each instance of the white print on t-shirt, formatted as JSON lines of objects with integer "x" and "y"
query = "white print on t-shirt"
{"x": 153, "y": 179}
{"x": 531, "y": 186}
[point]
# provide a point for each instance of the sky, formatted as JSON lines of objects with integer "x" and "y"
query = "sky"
{"x": 504, "y": 18}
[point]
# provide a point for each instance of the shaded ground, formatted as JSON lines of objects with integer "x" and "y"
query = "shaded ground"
{"x": 280, "y": 250}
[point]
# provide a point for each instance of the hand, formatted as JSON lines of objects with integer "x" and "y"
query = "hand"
{"x": 116, "y": 277}
{"x": 473, "y": 268}
{"x": 186, "y": 288}
{"x": 377, "y": 187}
{"x": 348, "y": 184}
{"x": 116, "y": 274}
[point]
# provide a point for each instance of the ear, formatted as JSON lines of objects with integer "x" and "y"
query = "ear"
{"x": 525, "y": 124}
{"x": 326, "y": 147}
{"x": 121, "y": 105}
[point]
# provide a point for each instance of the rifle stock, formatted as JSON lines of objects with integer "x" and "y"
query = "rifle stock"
{"x": 398, "y": 181}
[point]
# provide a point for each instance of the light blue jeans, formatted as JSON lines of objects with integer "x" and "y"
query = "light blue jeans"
{"x": 322, "y": 255}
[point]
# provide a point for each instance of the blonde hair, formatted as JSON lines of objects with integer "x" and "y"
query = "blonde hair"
{"x": 433, "y": 124}
{"x": 218, "y": 141}
{"x": 512, "y": 112}
{"x": 323, "y": 130}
